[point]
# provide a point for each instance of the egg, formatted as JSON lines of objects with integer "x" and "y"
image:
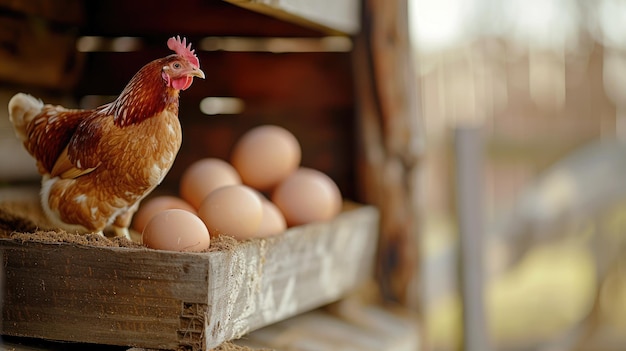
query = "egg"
{"x": 176, "y": 230}
{"x": 204, "y": 176}
{"x": 307, "y": 195}
{"x": 234, "y": 210}
{"x": 155, "y": 205}
{"x": 273, "y": 222}
{"x": 266, "y": 155}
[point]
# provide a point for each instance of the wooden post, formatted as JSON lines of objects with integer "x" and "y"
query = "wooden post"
{"x": 470, "y": 210}
{"x": 391, "y": 142}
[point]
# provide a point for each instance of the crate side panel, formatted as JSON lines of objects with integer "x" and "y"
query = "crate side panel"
{"x": 270, "y": 280}
{"x": 108, "y": 296}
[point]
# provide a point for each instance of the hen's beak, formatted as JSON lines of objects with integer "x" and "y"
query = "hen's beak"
{"x": 196, "y": 72}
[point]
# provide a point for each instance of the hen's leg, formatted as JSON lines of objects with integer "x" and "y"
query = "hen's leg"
{"x": 122, "y": 222}
{"x": 121, "y": 231}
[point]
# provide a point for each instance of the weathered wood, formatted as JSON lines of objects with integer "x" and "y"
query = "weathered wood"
{"x": 29, "y": 344}
{"x": 331, "y": 16}
{"x": 303, "y": 80}
{"x": 159, "y": 299}
{"x": 9, "y": 343}
{"x": 189, "y": 17}
{"x": 391, "y": 141}
{"x": 356, "y": 326}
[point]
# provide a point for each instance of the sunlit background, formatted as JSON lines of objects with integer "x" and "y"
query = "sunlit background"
{"x": 546, "y": 82}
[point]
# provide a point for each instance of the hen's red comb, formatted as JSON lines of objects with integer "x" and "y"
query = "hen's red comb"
{"x": 182, "y": 49}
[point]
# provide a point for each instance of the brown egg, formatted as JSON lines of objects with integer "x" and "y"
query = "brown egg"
{"x": 204, "y": 176}
{"x": 176, "y": 230}
{"x": 234, "y": 210}
{"x": 266, "y": 155}
{"x": 307, "y": 195}
{"x": 273, "y": 221}
{"x": 155, "y": 205}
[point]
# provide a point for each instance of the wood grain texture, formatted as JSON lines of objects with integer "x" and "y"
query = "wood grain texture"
{"x": 357, "y": 326}
{"x": 170, "y": 300}
{"x": 330, "y": 16}
{"x": 391, "y": 141}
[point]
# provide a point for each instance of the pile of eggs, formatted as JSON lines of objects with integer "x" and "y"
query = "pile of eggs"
{"x": 221, "y": 198}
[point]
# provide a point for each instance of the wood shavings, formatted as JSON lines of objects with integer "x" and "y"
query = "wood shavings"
{"x": 19, "y": 217}
{"x": 55, "y": 237}
{"x": 25, "y": 221}
{"x": 223, "y": 243}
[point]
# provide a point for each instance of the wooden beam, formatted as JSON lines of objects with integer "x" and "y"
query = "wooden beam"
{"x": 305, "y": 80}
{"x": 329, "y": 16}
{"x": 391, "y": 141}
{"x": 469, "y": 162}
{"x": 191, "y": 18}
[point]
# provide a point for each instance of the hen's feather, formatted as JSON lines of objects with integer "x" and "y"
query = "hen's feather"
{"x": 65, "y": 169}
{"x": 45, "y": 130}
{"x": 23, "y": 108}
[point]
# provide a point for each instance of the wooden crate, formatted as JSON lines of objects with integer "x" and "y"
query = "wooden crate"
{"x": 354, "y": 110}
{"x": 171, "y": 300}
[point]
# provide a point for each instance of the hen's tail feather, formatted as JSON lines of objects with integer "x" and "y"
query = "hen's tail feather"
{"x": 23, "y": 108}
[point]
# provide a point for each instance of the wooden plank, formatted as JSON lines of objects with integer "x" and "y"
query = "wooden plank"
{"x": 192, "y": 18}
{"x": 331, "y": 16}
{"x": 303, "y": 80}
{"x": 9, "y": 343}
{"x": 89, "y": 294}
{"x": 159, "y": 299}
{"x": 276, "y": 279}
{"x": 345, "y": 326}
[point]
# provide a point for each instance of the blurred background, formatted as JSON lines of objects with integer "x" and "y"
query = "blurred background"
{"x": 545, "y": 82}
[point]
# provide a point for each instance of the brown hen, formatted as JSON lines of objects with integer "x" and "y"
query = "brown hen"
{"x": 97, "y": 165}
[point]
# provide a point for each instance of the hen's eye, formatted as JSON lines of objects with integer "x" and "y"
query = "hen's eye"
{"x": 176, "y": 65}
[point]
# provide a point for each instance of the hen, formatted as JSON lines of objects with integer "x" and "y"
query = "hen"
{"x": 97, "y": 165}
